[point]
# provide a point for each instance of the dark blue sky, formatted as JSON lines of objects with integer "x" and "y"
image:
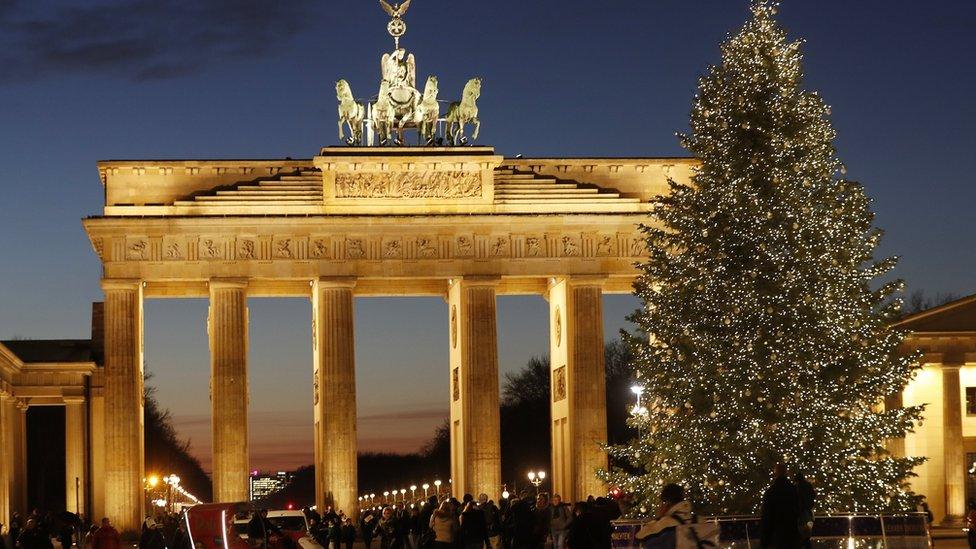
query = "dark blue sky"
{"x": 89, "y": 80}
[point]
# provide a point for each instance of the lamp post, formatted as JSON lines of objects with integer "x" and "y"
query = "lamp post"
{"x": 403, "y": 495}
{"x": 413, "y": 489}
{"x": 437, "y": 489}
{"x": 386, "y": 496}
{"x": 425, "y": 486}
{"x": 536, "y": 478}
{"x": 639, "y": 409}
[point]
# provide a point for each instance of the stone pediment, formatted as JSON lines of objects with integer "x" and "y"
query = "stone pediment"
{"x": 956, "y": 316}
{"x": 385, "y": 181}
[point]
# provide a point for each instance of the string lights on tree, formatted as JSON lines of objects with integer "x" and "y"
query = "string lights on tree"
{"x": 769, "y": 331}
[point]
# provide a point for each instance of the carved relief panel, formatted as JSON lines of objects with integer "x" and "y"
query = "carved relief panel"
{"x": 559, "y": 384}
{"x": 454, "y": 327}
{"x": 425, "y": 185}
{"x": 320, "y": 247}
{"x": 174, "y": 248}
{"x": 455, "y": 384}
{"x": 137, "y": 248}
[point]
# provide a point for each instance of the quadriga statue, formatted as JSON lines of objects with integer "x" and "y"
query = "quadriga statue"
{"x": 351, "y": 114}
{"x": 464, "y": 112}
{"x": 428, "y": 112}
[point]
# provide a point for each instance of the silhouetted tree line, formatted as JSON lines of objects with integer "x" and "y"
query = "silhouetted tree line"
{"x": 919, "y": 301}
{"x": 166, "y": 453}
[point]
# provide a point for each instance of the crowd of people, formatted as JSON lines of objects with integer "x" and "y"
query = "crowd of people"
{"x": 48, "y": 530}
{"x": 520, "y": 522}
{"x": 786, "y": 520}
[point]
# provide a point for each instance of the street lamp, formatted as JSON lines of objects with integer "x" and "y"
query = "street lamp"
{"x": 437, "y": 484}
{"x": 403, "y": 495}
{"x": 413, "y": 489}
{"x": 425, "y": 486}
{"x": 372, "y": 497}
{"x": 386, "y": 496}
{"x": 536, "y": 479}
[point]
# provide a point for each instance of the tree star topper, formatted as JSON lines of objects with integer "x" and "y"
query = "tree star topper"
{"x": 397, "y": 27}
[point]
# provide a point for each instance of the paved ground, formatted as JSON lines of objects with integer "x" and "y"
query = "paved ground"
{"x": 949, "y": 538}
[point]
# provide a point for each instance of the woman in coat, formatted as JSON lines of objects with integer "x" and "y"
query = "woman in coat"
{"x": 444, "y": 525}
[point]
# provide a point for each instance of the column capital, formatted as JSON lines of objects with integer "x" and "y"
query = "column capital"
{"x": 121, "y": 284}
{"x": 334, "y": 282}
{"x": 22, "y": 405}
{"x": 73, "y": 399}
{"x": 581, "y": 280}
{"x": 227, "y": 283}
{"x": 476, "y": 280}
{"x": 954, "y": 367}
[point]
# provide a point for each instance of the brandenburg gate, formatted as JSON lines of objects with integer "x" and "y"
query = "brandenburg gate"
{"x": 461, "y": 223}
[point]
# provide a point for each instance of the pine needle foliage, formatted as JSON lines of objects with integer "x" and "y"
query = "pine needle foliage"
{"x": 770, "y": 336}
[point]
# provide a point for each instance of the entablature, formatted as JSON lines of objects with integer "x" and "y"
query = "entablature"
{"x": 382, "y": 247}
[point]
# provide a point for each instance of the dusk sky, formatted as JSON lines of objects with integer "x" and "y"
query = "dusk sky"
{"x": 86, "y": 80}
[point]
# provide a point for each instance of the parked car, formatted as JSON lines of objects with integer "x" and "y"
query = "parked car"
{"x": 292, "y": 523}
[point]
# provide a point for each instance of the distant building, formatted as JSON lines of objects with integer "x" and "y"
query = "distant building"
{"x": 263, "y": 485}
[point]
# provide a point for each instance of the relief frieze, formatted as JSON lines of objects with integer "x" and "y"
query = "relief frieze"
{"x": 427, "y": 184}
{"x": 518, "y": 247}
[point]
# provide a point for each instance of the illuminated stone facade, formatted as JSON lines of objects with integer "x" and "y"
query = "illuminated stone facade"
{"x": 946, "y": 337}
{"x": 461, "y": 223}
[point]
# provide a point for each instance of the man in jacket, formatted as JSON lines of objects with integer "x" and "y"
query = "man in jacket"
{"x": 779, "y": 528}
{"x": 493, "y": 520}
{"x": 560, "y": 518}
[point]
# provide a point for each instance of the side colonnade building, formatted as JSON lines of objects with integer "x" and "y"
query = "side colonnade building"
{"x": 463, "y": 224}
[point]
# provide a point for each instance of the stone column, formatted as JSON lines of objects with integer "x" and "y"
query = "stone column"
{"x": 6, "y": 475}
{"x": 954, "y": 453}
{"x": 96, "y": 444}
{"x": 75, "y": 456}
{"x": 19, "y": 495}
{"x": 475, "y": 430}
{"x": 227, "y": 328}
{"x": 578, "y": 380}
{"x": 334, "y": 394}
{"x": 125, "y": 458}
{"x": 895, "y": 446}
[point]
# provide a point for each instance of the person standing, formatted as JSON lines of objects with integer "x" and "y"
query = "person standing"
{"x": 14, "y": 529}
{"x": 348, "y": 533}
{"x": 493, "y": 520}
{"x": 257, "y": 530}
{"x": 806, "y": 498}
{"x": 106, "y": 537}
{"x": 444, "y": 525}
{"x": 523, "y": 522}
{"x": 779, "y": 526}
{"x": 367, "y": 525}
{"x": 540, "y": 531}
{"x": 389, "y": 530}
{"x": 560, "y": 517}
{"x": 474, "y": 531}
{"x": 673, "y": 511}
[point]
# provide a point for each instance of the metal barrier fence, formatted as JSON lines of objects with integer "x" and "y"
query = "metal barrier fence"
{"x": 889, "y": 531}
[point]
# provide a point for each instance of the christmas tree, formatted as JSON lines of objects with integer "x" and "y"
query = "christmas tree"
{"x": 769, "y": 336}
